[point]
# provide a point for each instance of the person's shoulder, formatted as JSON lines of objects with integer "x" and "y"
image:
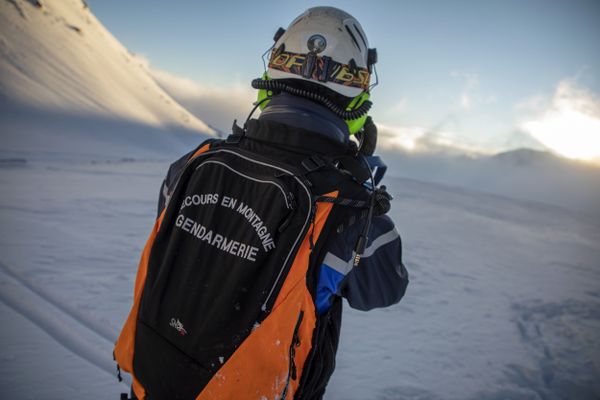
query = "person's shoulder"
{"x": 177, "y": 166}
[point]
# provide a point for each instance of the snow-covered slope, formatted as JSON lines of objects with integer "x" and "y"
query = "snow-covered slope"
{"x": 64, "y": 76}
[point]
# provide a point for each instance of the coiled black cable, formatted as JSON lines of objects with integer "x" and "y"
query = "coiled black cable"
{"x": 278, "y": 86}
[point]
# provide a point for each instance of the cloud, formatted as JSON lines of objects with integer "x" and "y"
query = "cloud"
{"x": 418, "y": 139}
{"x": 400, "y": 137}
{"x": 567, "y": 123}
{"x": 216, "y": 105}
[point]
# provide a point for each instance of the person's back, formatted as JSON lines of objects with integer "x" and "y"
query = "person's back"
{"x": 280, "y": 342}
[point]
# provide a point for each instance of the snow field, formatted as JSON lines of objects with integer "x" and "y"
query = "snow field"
{"x": 502, "y": 302}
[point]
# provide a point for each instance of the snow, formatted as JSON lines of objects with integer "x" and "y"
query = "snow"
{"x": 503, "y": 303}
{"x": 503, "y": 300}
{"x": 504, "y": 296}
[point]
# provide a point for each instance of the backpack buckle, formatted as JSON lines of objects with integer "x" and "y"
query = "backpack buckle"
{"x": 237, "y": 133}
{"x": 313, "y": 163}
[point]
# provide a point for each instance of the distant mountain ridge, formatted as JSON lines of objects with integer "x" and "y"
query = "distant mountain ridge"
{"x": 524, "y": 156}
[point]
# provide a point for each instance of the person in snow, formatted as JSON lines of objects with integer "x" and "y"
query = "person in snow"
{"x": 314, "y": 97}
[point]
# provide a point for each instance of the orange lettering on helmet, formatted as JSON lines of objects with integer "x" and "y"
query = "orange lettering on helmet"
{"x": 363, "y": 78}
{"x": 296, "y": 59}
{"x": 281, "y": 59}
{"x": 345, "y": 75}
{"x": 349, "y": 79}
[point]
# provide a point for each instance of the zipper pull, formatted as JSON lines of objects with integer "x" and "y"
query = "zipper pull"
{"x": 292, "y": 373}
{"x": 291, "y": 200}
{"x": 292, "y": 206}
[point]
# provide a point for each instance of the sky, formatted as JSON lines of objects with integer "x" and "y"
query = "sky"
{"x": 475, "y": 75}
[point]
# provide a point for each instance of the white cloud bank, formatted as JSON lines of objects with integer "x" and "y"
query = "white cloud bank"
{"x": 568, "y": 123}
{"x": 418, "y": 139}
{"x": 218, "y": 106}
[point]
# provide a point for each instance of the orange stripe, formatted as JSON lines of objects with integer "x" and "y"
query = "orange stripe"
{"x": 201, "y": 150}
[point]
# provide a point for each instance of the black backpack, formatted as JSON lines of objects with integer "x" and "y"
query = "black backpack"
{"x": 224, "y": 300}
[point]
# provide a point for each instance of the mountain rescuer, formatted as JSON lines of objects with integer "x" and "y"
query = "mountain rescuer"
{"x": 259, "y": 236}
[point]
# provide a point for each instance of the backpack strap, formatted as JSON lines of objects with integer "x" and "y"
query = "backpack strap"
{"x": 237, "y": 133}
{"x": 298, "y": 139}
{"x": 343, "y": 201}
{"x": 315, "y": 163}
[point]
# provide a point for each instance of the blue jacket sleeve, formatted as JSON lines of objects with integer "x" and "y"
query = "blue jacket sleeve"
{"x": 379, "y": 280}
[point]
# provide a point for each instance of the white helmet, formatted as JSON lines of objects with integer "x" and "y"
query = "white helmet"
{"x": 327, "y": 46}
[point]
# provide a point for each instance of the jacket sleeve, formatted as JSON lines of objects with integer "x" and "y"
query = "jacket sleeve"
{"x": 379, "y": 280}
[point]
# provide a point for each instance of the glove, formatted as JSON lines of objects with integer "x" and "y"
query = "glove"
{"x": 382, "y": 201}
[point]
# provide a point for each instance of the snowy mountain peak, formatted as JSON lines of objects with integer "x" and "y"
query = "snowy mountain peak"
{"x": 56, "y": 56}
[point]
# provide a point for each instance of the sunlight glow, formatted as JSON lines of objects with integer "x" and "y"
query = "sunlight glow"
{"x": 405, "y": 138}
{"x": 570, "y": 133}
{"x": 572, "y": 127}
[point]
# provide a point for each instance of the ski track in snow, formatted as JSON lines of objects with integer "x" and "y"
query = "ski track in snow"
{"x": 70, "y": 331}
{"x": 84, "y": 319}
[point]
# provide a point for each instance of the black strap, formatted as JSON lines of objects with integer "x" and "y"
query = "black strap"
{"x": 343, "y": 202}
{"x": 355, "y": 167}
{"x": 236, "y": 135}
{"x": 314, "y": 163}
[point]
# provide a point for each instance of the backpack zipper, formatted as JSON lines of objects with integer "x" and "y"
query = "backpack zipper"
{"x": 292, "y": 207}
{"x": 286, "y": 196}
{"x": 292, "y": 371}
